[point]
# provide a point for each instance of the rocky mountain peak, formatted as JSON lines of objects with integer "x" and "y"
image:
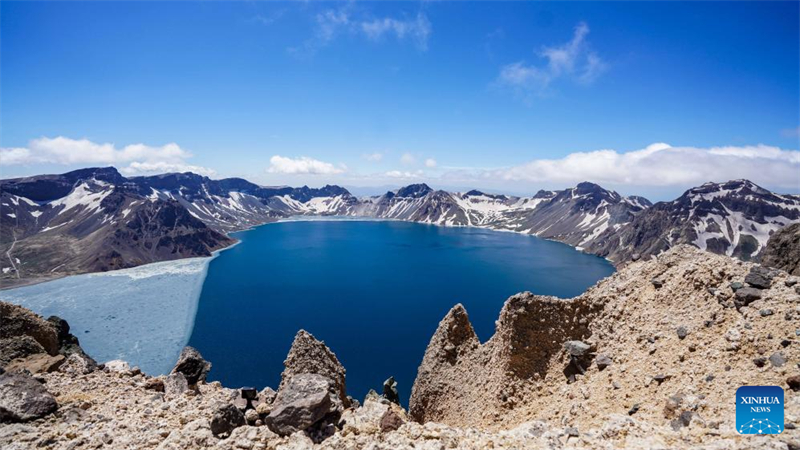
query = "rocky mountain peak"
{"x": 414, "y": 190}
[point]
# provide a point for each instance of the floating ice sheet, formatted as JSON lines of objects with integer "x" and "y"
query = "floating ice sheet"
{"x": 142, "y": 315}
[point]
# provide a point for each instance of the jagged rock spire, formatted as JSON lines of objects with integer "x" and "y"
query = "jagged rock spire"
{"x": 309, "y": 355}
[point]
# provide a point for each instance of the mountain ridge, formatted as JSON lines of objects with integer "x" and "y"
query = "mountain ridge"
{"x": 95, "y": 219}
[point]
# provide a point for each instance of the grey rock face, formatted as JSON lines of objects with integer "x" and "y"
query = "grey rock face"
{"x": 390, "y": 390}
{"x": 192, "y": 365}
{"x": 22, "y": 398}
{"x": 303, "y": 401}
{"x": 783, "y": 250}
{"x": 226, "y": 419}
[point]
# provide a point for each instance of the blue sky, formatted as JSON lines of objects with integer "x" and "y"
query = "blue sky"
{"x": 502, "y": 96}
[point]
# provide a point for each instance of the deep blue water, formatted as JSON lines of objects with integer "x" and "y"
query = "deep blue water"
{"x": 374, "y": 291}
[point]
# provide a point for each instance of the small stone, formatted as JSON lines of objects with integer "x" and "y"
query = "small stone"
{"x": 794, "y": 382}
{"x": 572, "y": 432}
{"x": 251, "y": 416}
{"x": 390, "y": 421}
{"x": 634, "y": 409}
{"x": 577, "y": 348}
{"x": 657, "y": 283}
{"x": 635, "y": 257}
{"x": 777, "y": 359}
{"x": 263, "y": 409}
{"x": 603, "y": 361}
{"x": 154, "y": 384}
{"x": 765, "y": 312}
{"x": 710, "y": 378}
{"x": 175, "y": 384}
{"x": 789, "y": 426}
{"x": 616, "y": 385}
{"x": 660, "y": 378}
{"x": 760, "y": 361}
{"x": 682, "y": 332}
{"x": 790, "y": 282}
{"x": 736, "y": 285}
{"x": 785, "y": 343}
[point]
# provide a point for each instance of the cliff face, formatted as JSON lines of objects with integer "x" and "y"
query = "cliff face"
{"x": 660, "y": 337}
{"x": 783, "y": 250}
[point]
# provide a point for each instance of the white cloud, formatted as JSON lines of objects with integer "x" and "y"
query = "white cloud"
{"x": 302, "y": 165}
{"x": 140, "y": 158}
{"x": 408, "y": 159}
{"x": 417, "y": 29}
{"x": 404, "y": 174}
{"x": 373, "y": 157}
{"x": 662, "y": 165}
{"x": 430, "y": 162}
{"x": 573, "y": 61}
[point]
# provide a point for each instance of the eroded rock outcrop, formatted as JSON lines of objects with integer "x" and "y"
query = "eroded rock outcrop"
{"x": 192, "y": 365}
{"x": 22, "y": 398}
{"x": 530, "y": 371}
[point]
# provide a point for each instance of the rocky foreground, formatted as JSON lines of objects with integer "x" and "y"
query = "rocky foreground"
{"x": 650, "y": 357}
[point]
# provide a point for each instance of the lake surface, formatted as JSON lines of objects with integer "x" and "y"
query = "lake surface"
{"x": 374, "y": 291}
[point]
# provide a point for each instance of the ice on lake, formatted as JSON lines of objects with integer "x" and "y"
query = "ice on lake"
{"x": 142, "y": 315}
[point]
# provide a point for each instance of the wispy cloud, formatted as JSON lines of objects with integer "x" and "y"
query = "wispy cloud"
{"x": 302, "y": 166}
{"x": 791, "y": 132}
{"x": 408, "y": 159}
{"x": 573, "y": 61}
{"x": 332, "y": 23}
{"x": 373, "y": 157}
{"x": 430, "y": 163}
{"x": 418, "y": 29}
{"x": 140, "y": 158}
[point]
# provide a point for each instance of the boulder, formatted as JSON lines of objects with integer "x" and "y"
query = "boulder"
{"x": 759, "y": 277}
{"x": 226, "y": 419}
{"x": 746, "y": 295}
{"x": 192, "y": 365}
{"x": 38, "y": 363}
{"x": 22, "y": 398}
{"x": 18, "y": 347}
{"x": 303, "y": 401}
{"x": 309, "y": 355}
{"x": 18, "y": 321}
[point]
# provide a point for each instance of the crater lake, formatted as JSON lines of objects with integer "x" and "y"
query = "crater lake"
{"x": 373, "y": 291}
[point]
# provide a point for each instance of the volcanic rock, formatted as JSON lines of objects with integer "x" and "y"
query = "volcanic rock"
{"x": 22, "y": 398}
{"x": 192, "y": 365}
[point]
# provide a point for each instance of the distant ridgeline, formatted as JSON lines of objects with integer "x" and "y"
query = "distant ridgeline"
{"x": 96, "y": 220}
